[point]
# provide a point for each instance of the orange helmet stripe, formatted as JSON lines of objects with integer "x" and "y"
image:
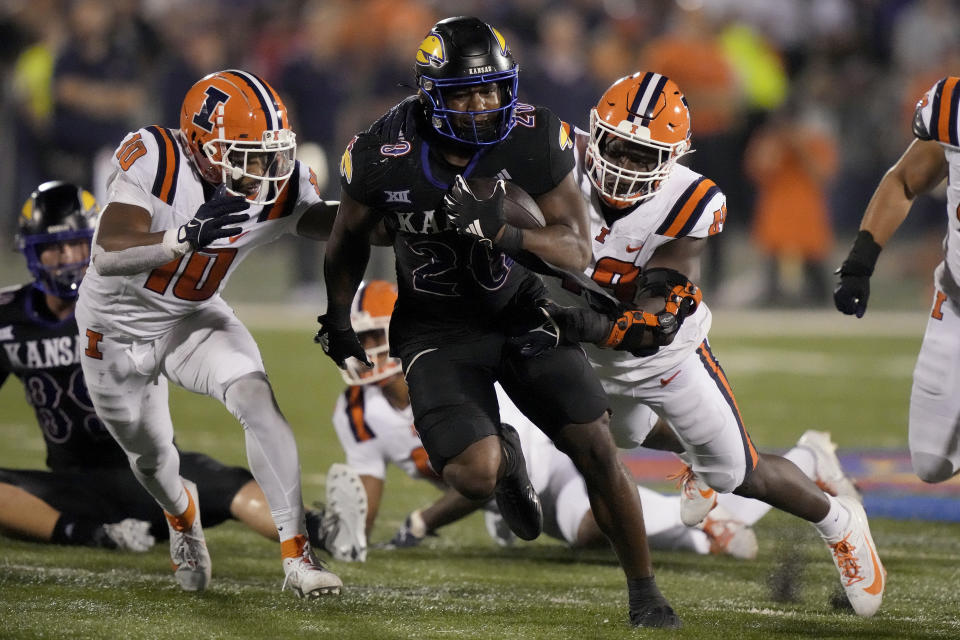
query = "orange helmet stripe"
{"x": 255, "y": 88}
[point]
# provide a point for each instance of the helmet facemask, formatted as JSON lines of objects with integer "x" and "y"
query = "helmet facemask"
{"x": 377, "y": 349}
{"x": 62, "y": 280}
{"x": 619, "y": 186}
{"x": 475, "y": 128}
{"x": 275, "y": 153}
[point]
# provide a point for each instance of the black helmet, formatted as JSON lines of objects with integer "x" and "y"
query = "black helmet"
{"x": 464, "y": 52}
{"x": 56, "y": 212}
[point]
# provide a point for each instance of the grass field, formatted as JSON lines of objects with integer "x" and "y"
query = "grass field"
{"x": 462, "y": 586}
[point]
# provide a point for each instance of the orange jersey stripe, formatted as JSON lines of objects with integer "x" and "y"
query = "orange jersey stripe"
{"x": 692, "y": 204}
{"x": 707, "y": 357}
{"x": 170, "y": 152}
{"x": 355, "y": 412}
{"x": 943, "y": 118}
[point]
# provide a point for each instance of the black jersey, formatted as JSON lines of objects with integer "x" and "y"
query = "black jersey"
{"x": 451, "y": 286}
{"x": 45, "y": 354}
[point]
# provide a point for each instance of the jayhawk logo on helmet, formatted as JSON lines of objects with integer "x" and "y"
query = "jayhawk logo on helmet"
{"x": 430, "y": 52}
{"x": 648, "y": 112}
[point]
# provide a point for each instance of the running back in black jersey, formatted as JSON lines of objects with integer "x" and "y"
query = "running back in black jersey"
{"x": 449, "y": 284}
{"x": 45, "y": 354}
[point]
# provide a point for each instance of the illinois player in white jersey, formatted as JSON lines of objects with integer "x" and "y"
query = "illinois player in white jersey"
{"x": 185, "y": 206}
{"x": 650, "y": 220}
{"x": 934, "y": 432}
{"x": 374, "y": 423}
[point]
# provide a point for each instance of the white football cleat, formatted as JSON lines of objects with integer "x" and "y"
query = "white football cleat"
{"x": 130, "y": 534}
{"x": 306, "y": 576}
{"x": 855, "y": 556}
{"x": 729, "y": 536}
{"x": 498, "y": 529}
{"x": 345, "y": 515}
{"x": 696, "y": 497}
{"x": 188, "y": 549}
{"x": 829, "y": 474}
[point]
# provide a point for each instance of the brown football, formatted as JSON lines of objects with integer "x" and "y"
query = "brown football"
{"x": 519, "y": 208}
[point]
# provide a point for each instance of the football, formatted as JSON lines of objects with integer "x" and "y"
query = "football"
{"x": 519, "y": 208}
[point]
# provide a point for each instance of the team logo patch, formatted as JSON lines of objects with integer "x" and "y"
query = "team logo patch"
{"x": 503, "y": 43}
{"x": 398, "y": 196}
{"x": 566, "y": 140}
{"x": 346, "y": 162}
{"x": 431, "y": 52}
{"x": 27, "y": 211}
{"x": 402, "y": 148}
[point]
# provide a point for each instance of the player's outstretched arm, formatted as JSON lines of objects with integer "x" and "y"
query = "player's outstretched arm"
{"x": 317, "y": 221}
{"x": 345, "y": 262}
{"x": 921, "y": 167}
{"x": 124, "y": 244}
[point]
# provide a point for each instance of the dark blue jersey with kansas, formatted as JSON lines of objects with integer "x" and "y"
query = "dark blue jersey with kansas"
{"x": 451, "y": 286}
{"x": 45, "y": 354}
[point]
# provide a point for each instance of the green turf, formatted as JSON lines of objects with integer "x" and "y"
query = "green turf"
{"x": 462, "y": 586}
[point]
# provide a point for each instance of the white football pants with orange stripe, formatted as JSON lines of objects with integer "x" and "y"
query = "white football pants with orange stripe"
{"x": 934, "y": 432}
{"x": 697, "y": 400}
{"x": 207, "y": 352}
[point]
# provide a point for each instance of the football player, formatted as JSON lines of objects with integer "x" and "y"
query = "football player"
{"x": 460, "y": 292}
{"x": 185, "y": 207}
{"x": 650, "y": 220}
{"x": 89, "y": 496}
{"x": 934, "y": 431}
{"x": 374, "y": 423}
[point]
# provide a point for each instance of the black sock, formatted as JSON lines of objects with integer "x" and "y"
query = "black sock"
{"x": 315, "y": 528}
{"x": 78, "y": 531}
{"x": 644, "y": 592}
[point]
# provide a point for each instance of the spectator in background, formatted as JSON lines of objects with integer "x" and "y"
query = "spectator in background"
{"x": 791, "y": 161}
{"x": 97, "y": 90}
{"x": 559, "y": 75}
{"x": 690, "y": 54}
{"x": 924, "y": 30}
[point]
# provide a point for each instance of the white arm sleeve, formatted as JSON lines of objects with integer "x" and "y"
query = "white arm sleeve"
{"x": 134, "y": 260}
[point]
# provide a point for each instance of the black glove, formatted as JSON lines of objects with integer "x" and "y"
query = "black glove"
{"x": 482, "y": 219}
{"x": 400, "y": 121}
{"x": 853, "y": 289}
{"x": 339, "y": 343}
{"x": 543, "y": 336}
{"x": 212, "y": 218}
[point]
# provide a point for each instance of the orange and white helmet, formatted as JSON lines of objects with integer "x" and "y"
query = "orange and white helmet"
{"x": 230, "y": 117}
{"x": 370, "y": 317}
{"x": 648, "y": 111}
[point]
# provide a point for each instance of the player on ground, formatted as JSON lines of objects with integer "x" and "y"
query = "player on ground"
{"x": 185, "y": 207}
{"x": 934, "y": 431}
{"x": 650, "y": 219}
{"x": 374, "y": 423}
{"x": 460, "y": 294}
{"x": 89, "y": 496}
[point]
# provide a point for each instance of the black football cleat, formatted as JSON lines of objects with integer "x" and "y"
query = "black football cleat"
{"x": 518, "y": 502}
{"x": 656, "y": 616}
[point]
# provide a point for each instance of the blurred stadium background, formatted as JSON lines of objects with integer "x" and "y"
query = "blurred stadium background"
{"x": 841, "y": 75}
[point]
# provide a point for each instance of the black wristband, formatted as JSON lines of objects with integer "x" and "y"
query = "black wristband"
{"x": 862, "y": 257}
{"x": 511, "y": 240}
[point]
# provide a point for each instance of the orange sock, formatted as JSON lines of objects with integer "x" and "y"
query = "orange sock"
{"x": 183, "y": 521}
{"x": 293, "y": 547}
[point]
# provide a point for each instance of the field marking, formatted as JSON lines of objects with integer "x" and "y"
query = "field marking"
{"x": 726, "y": 322}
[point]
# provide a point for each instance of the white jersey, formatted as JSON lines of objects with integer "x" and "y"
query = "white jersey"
{"x": 686, "y": 205}
{"x": 937, "y": 118}
{"x": 152, "y": 171}
{"x": 374, "y": 433}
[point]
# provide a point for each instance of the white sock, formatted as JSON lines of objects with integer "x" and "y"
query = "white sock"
{"x": 832, "y": 527}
